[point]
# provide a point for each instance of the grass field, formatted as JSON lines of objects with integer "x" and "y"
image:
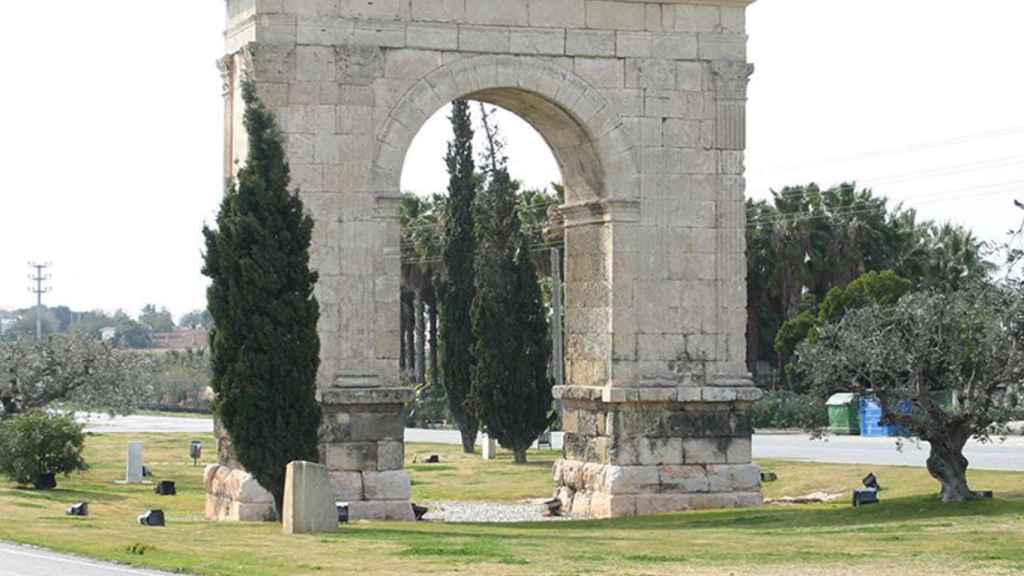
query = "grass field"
{"x": 909, "y": 533}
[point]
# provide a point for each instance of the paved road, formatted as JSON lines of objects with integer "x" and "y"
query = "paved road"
{"x": 1008, "y": 455}
{"x": 24, "y": 561}
{"x": 137, "y": 424}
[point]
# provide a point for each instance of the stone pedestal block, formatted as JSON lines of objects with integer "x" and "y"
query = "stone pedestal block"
{"x": 635, "y": 451}
{"x": 363, "y": 446}
{"x": 309, "y": 505}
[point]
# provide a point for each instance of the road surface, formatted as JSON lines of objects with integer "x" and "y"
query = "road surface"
{"x": 1008, "y": 455}
{"x": 24, "y": 561}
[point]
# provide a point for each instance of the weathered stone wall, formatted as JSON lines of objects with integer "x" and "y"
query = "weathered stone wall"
{"x": 643, "y": 106}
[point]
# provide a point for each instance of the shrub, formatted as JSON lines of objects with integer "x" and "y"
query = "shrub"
{"x": 785, "y": 409}
{"x": 37, "y": 443}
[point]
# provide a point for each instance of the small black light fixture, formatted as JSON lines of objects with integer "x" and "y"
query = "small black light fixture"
{"x": 195, "y": 451}
{"x": 554, "y": 507}
{"x": 165, "y": 488}
{"x": 419, "y": 511}
{"x": 78, "y": 509}
{"x": 342, "y": 508}
{"x": 152, "y": 518}
{"x": 864, "y": 496}
{"x": 871, "y": 481}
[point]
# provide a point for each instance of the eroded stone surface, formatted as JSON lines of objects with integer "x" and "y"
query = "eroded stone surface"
{"x": 233, "y": 494}
{"x": 643, "y": 104}
{"x": 309, "y": 503}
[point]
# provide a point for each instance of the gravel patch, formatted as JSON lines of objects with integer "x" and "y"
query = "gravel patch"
{"x": 490, "y": 512}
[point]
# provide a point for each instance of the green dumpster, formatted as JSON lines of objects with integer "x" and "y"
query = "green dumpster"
{"x": 842, "y": 414}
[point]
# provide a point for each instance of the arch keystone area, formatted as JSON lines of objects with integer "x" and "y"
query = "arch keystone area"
{"x": 643, "y": 105}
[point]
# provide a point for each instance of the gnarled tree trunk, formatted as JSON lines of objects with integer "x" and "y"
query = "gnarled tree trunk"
{"x": 947, "y": 464}
{"x": 519, "y": 455}
{"x": 468, "y": 441}
{"x": 421, "y": 341}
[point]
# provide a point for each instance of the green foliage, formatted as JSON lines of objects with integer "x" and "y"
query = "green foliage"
{"x": 510, "y": 382}
{"x": 456, "y": 298}
{"x": 196, "y": 319}
{"x": 70, "y": 369}
{"x": 870, "y": 288}
{"x": 794, "y": 331}
{"x": 809, "y": 240}
{"x": 156, "y": 320}
{"x": 38, "y": 442}
{"x": 178, "y": 380}
{"x": 265, "y": 347}
{"x": 25, "y": 327}
{"x": 781, "y": 409}
{"x": 917, "y": 351}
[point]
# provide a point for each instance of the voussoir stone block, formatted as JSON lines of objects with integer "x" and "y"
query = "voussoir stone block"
{"x": 309, "y": 500}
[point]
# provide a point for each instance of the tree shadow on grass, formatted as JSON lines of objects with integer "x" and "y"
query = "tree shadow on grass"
{"x": 62, "y": 495}
{"x": 842, "y": 517}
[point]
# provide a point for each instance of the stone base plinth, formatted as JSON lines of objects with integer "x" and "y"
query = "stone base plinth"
{"x": 233, "y": 495}
{"x": 363, "y": 446}
{"x": 637, "y": 451}
{"x": 608, "y": 491}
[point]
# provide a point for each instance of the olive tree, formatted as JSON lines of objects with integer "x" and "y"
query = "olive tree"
{"x": 954, "y": 359}
{"x": 69, "y": 369}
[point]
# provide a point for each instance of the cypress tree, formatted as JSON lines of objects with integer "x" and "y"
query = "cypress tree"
{"x": 264, "y": 345}
{"x": 457, "y": 288}
{"x": 510, "y": 383}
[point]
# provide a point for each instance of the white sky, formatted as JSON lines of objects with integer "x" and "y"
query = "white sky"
{"x": 110, "y": 159}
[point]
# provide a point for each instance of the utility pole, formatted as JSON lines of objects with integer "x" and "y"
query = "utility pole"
{"x": 38, "y": 277}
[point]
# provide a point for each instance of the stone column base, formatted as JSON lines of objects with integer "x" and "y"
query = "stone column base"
{"x": 608, "y": 491}
{"x": 638, "y": 451}
{"x": 363, "y": 446}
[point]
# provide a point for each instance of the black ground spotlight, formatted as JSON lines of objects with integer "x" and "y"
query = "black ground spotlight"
{"x": 195, "y": 451}
{"x": 864, "y": 496}
{"x": 165, "y": 488}
{"x": 152, "y": 518}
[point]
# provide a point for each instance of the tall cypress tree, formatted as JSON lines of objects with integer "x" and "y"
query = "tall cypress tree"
{"x": 511, "y": 387}
{"x": 264, "y": 344}
{"x": 457, "y": 287}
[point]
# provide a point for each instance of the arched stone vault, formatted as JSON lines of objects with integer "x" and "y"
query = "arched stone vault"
{"x": 642, "y": 103}
{"x": 580, "y": 125}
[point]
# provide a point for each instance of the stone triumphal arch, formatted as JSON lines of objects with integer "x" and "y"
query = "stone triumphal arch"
{"x": 643, "y": 105}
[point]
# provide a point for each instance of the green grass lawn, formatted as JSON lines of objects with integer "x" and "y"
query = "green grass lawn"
{"x": 908, "y": 533}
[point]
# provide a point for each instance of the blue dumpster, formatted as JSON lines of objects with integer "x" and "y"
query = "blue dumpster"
{"x": 871, "y": 413}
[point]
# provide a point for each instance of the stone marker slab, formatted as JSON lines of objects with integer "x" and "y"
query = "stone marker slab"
{"x": 490, "y": 448}
{"x": 309, "y": 506}
{"x": 133, "y": 470}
